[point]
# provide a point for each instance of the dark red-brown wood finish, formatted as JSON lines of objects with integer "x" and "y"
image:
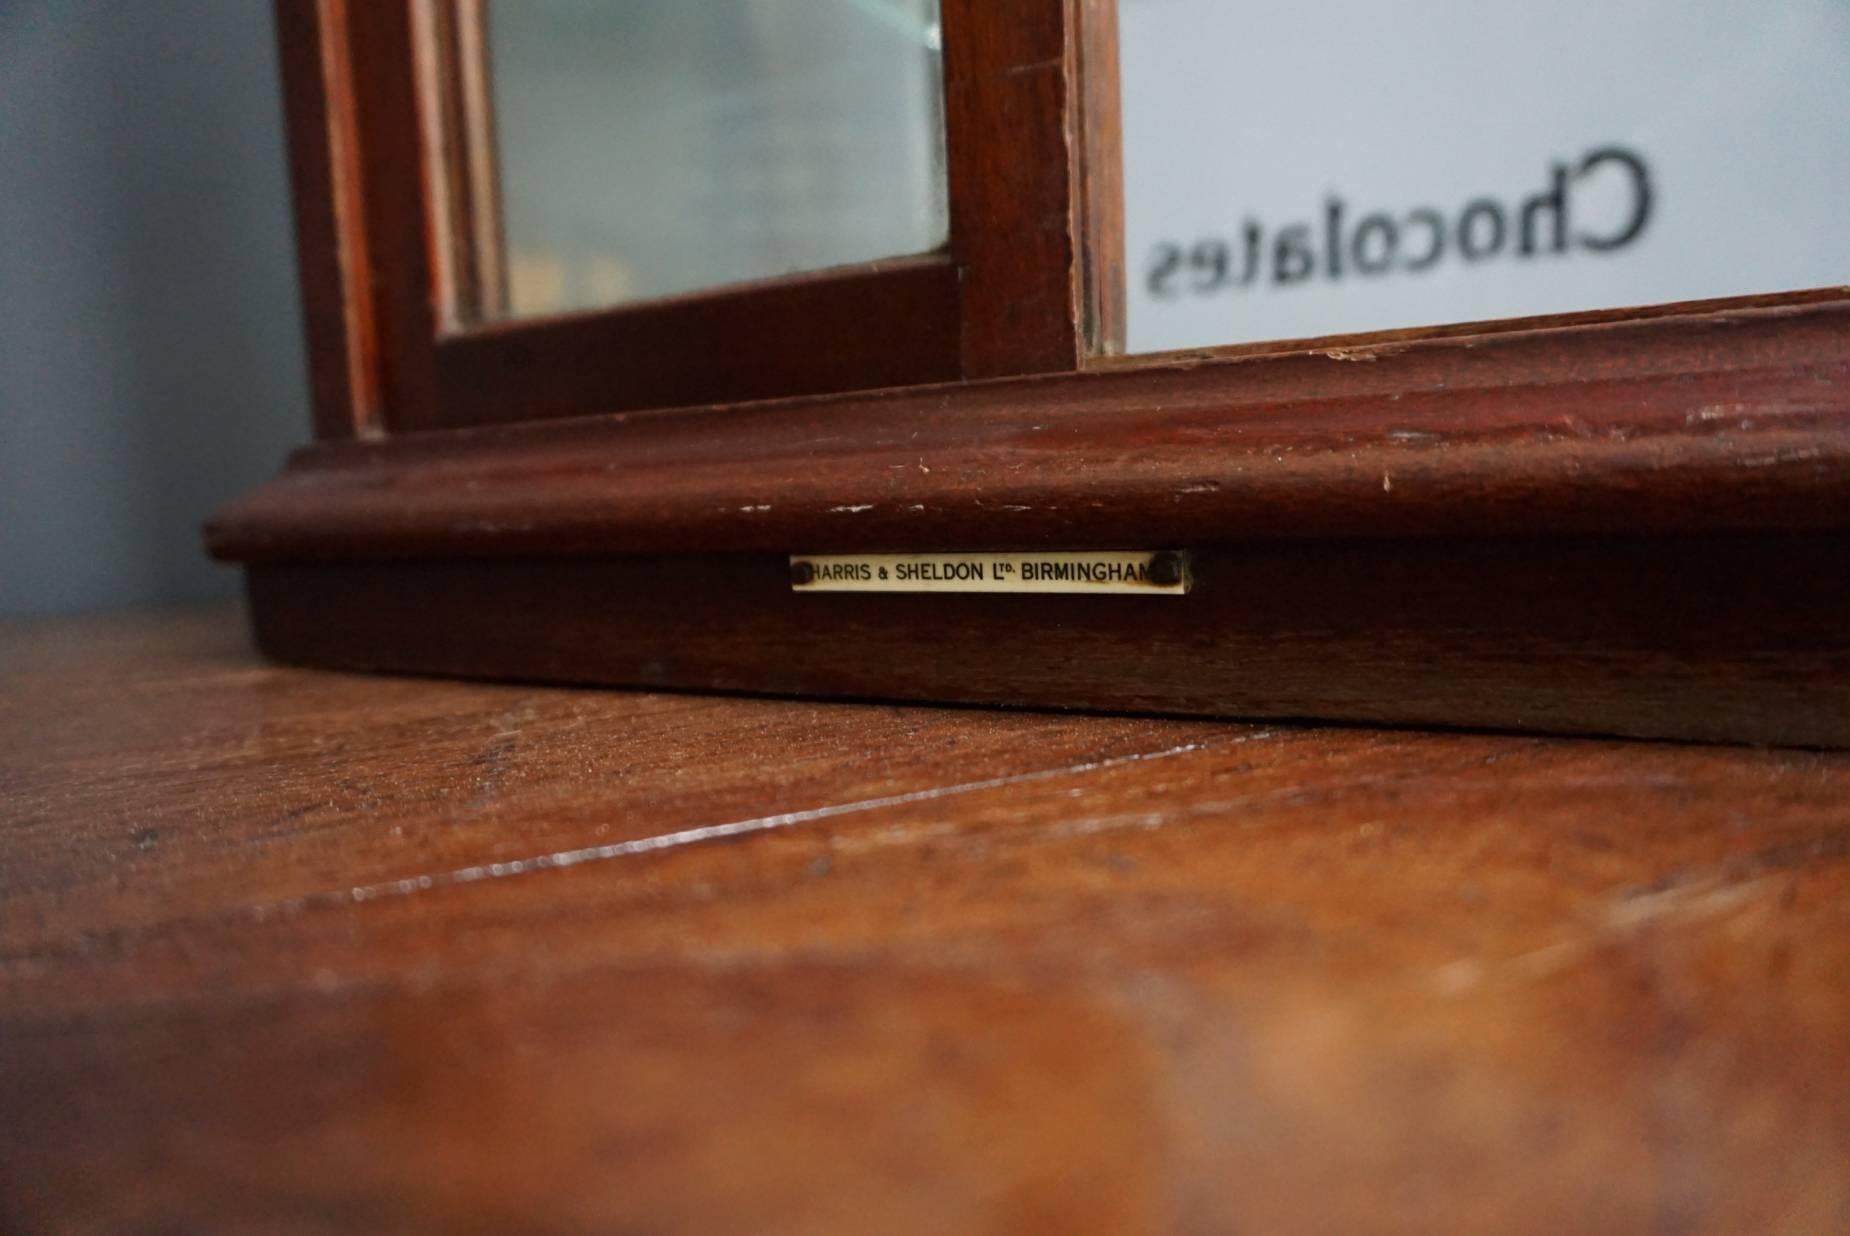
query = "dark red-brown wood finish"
{"x": 1005, "y": 297}
{"x": 1012, "y": 107}
{"x": 463, "y": 131}
{"x": 1625, "y": 521}
{"x": 1626, "y": 527}
{"x": 331, "y": 262}
{"x": 1702, "y": 636}
{"x": 395, "y": 217}
{"x": 1720, "y": 421}
{"x": 294, "y": 953}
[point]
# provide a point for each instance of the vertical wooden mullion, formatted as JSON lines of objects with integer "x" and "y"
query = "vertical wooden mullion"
{"x": 1099, "y": 209}
{"x": 1033, "y": 180}
{"x": 472, "y": 239}
{"x": 327, "y": 190}
{"x": 1031, "y": 134}
{"x": 398, "y": 214}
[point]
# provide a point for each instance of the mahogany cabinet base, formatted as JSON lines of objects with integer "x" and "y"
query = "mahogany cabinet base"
{"x": 1737, "y": 638}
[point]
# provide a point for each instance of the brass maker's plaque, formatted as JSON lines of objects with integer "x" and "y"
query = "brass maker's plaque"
{"x": 1125, "y": 572}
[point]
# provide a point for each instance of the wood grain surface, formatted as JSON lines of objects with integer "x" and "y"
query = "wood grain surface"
{"x": 1099, "y": 171}
{"x": 889, "y": 323}
{"x": 1720, "y": 638}
{"x": 387, "y": 266}
{"x": 470, "y": 227}
{"x": 1732, "y": 421}
{"x": 1012, "y": 105}
{"x": 284, "y": 951}
{"x": 393, "y": 232}
{"x": 1620, "y": 527}
{"x": 325, "y": 174}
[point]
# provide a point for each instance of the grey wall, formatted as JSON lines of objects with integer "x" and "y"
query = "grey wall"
{"x": 150, "y": 347}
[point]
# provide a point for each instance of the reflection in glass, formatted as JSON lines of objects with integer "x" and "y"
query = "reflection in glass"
{"x": 653, "y": 147}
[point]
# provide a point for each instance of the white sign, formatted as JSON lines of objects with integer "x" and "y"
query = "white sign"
{"x": 1308, "y": 167}
{"x": 1140, "y": 572}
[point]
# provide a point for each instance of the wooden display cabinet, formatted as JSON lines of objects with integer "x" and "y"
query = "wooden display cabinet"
{"x": 1630, "y": 522}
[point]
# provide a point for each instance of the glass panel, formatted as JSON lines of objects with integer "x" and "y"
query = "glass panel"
{"x": 1308, "y": 167}
{"x": 653, "y": 147}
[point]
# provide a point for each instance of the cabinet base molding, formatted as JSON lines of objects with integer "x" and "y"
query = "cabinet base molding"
{"x": 1716, "y": 637}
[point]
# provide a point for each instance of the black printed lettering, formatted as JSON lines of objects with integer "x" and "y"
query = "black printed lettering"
{"x": 1344, "y": 242}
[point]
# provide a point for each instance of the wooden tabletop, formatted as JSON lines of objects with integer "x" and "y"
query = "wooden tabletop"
{"x": 289, "y": 952}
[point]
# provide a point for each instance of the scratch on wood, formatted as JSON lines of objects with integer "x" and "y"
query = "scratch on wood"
{"x": 1038, "y": 66}
{"x": 561, "y": 859}
{"x": 1703, "y": 900}
{"x": 1781, "y": 457}
{"x": 1689, "y": 901}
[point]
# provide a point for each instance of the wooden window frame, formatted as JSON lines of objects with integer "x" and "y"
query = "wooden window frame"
{"x": 374, "y": 87}
{"x": 1624, "y": 521}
